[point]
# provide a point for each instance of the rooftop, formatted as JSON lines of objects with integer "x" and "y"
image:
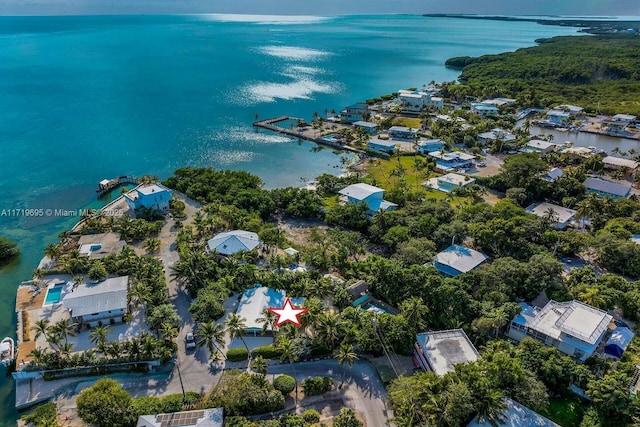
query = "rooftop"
{"x": 230, "y": 242}
{"x": 499, "y": 101}
{"x": 605, "y": 186}
{"x": 451, "y": 156}
{"x": 360, "y": 191}
{"x": 543, "y": 209}
{"x": 624, "y": 118}
{"x": 572, "y": 318}
{"x": 401, "y": 129}
{"x": 445, "y": 349}
{"x": 365, "y": 124}
{"x": 255, "y": 300}
{"x": 479, "y": 106}
{"x": 618, "y": 161}
{"x": 429, "y": 142}
{"x": 554, "y": 174}
{"x": 540, "y": 144}
{"x": 516, "y": 415}
{"x": 204, "y": 418}
{"x": 88, "y": 298}
{"x": 152, "y": 189}
{"x": 460, "y": 258}
{"x": 456, "y": 179}
{"x": 382, "y": 142}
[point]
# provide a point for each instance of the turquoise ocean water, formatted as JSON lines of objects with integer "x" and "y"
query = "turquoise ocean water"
{"x": 87, "y": 98}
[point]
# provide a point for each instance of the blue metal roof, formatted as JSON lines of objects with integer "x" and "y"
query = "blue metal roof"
{"x": 619, "y": 341}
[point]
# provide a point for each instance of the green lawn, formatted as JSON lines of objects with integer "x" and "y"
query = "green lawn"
{"x": 566, "y": 411}
{"x": 381, "y": 171}
{"x": 408, "y": 122}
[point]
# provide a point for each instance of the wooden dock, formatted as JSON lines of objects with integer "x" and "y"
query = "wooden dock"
{"x": 271, "y": 124}
{"x": 108, "y": 185}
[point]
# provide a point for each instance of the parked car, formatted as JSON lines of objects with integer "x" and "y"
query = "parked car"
{"x": 189, "y": 341}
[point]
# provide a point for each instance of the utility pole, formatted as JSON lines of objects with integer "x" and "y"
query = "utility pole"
{"x": 184, "y": 396}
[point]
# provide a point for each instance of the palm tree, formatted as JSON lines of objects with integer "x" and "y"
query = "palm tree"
{"x": 592, "y": 297}
{"x": 259, "y": 365}
{"x": 53, "y": 251}
{"x": 236, "y": 327}
{"x": 152, "y": 245}
{"x": 414, "y": 311}
{"x": 66, "y": 327}
{"x": 491, "y": 407}
{"x": 168, "y": 331}
{"x": 65, "y": 349}
{"x": 99, "y": 335}
{"x": 77, "y": 281}
{"x": 38, "y": 355}
{"x": 345, "y": 354}
{"x": 268, "y": 321}
{"x": 41, "y": 328}
{"x": 211, "y": 335}
{"x": 289, "y": 352}
{"x": 330, "y": 328}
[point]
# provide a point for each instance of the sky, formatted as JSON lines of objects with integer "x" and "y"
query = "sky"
{"x": 321, "y": 7}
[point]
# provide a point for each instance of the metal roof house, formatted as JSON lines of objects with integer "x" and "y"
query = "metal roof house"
{"x": 256, "y": 300}
{"x": 515, "y": 415}
{"x": 402, "y": 132}
{"x": 231, "y": 242}
{"x": 204, "y": 418}
{"x": 457, "y": 259}
{"x": 449, "y": 182}
{"x": 574, "y": 328}
{"x": 484, "y": 109}
{"x": 561, "y": 216}
{"x": 540, "y": 146}
{"x": 95, "y": 303}
{"x": 430, "y": 145}
{"x": 151, "y": 196}
{"x": 383, "y": 145}
{"x": 606, "y": 188}
{"x": 371, "y": 128}
{"x": 553, "y": 174}
{"x": 372, "y": 196}
{"x": 611, "y": 162}
{"x": 452, "y": 160}
{"x": 440, "y": 351}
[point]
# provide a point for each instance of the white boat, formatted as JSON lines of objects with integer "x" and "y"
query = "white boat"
{"x": 7, "y": 351}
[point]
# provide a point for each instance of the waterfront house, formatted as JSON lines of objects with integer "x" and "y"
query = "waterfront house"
{"x": 371, "y": 128}
{"x": 624, "y": 119}
{"x": 93, "y": 304}
{"x": 559, "y": 215}
{"x": 449, "y": 182}
{"x": 440, "y": 351}
{"x": 553, "y": 174}
{"x": 402, "y": 132}
{"x": 515, "y": 415}
{"x": 355, "y": 113}
{"x": 446, "y": 161}
{"x": 457, "y": 259}
{"x": 613, "y": 163}
{"x": 231, "y": 242}
{"x": 583, "y": 152}
{"x": 212, "y": 417}
{"x": 574, "y": 328}
{"x": 97, "y": 246}
{"x": 540, "y": 146}
{"x": 484, "y": 109}
{"x": 496, "y": 134}
{"x": 415, "y": 101}
{"x": 150, "y": 196}
{"x": 383, "y": 145}
{"x": 430, "y": 145}
{"x": 605, "y": 188}
{"x": 558, "y": 117}
{"x": 255, "y": 301}
{"x": 365, "y": 193}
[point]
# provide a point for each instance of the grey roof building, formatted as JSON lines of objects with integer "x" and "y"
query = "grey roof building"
{"x": 607, "y": 188}
{"x": 204, "y": 418}
{"x": 457, "y": 259}
{"x": 516, "y": 415}
{"x": 92, "y": 302}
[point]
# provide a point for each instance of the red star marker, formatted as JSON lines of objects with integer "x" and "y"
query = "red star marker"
{"x": 288, "y": 313}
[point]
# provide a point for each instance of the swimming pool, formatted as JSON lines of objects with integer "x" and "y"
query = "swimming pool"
{"x": 53, "y": 295}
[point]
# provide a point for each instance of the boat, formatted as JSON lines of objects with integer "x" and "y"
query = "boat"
{"x": 7, "y": 351}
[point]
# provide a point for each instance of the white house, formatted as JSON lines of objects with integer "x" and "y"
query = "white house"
{"x": 150, "y": 196}
{"x": 449, "y": 182}
{"x": 416, "y": 101}
{"x": 440, "y": 351}
{"x": 457, "y": 259}
{"x": 496, "y": 134}
{"x": 624, "y": 119}
{"x": 231, "y": 242}
{"x": 354, "y": 113}
{"x": 553, "y": 174}
{"x": 540, "y": 146}
{"x": 98, "y": 303}
{"x": 385, "y": 146}
{"x": 498, "y": 102}
{"x": 560, "y": 215}
{"x": 372, "y": 196}
{"x": 452, "y": 160}
{"x": 256, "y": 300}
{"x": 613, "y": 163}
{"x": 402, "y": 132}
{"x": 574, "y": 328}
{"x": 371, "y": 128}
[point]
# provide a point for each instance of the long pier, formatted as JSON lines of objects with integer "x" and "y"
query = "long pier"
{"x": 270, "y": 124}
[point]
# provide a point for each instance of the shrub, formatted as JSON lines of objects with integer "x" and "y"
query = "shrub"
{"x": 284, "y": 384}
{"x": 267, "y": 351}
{"x": 311, "y": 416}
{"x": 42, "y": 414}
{"x": 237, "y": 354}
{"x": 316, "y": 385}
